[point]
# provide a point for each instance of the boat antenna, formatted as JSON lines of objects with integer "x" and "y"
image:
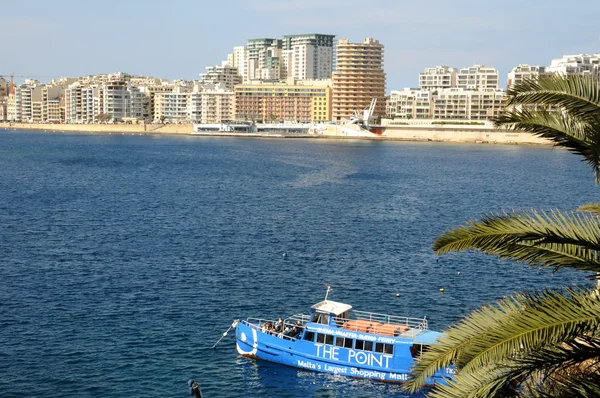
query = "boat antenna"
{"x": 328, "y": 291}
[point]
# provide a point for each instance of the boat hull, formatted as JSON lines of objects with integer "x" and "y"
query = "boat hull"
{"x": 253, "y": 343}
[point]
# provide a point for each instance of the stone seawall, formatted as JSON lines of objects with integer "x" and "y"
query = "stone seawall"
{"x": 458, "y": 134}
{"x": 404, "y": 133}
{"x": 105, "y": 128}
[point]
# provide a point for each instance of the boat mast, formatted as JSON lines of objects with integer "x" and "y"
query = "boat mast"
{"x": 327, "y": 293}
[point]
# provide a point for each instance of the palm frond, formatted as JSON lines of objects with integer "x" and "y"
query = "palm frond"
{"x": 508, "y": 329}
{"x": 481, "y": 383}
{"x": 578, "y": 96}
{"x": 541, "y": 239}
{"x": 593, "y": 208}
{"x": 570, "y": 132}
{"x": 447, "y": 350}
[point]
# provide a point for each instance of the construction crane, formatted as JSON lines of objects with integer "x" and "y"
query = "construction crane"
{"x": 12, "y": 77}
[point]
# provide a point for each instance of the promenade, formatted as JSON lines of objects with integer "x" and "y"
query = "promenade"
{"x": 436, "y": 133}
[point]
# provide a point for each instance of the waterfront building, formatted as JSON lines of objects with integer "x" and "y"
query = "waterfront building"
{"x": 11, "y": 104}
{"x": 19, "y": 102}
{"x": 3, "y": 109}
{"x": 300, "y": 101}
{"x": 440, "y": 77}
{"x": 37, "y": 105}
{"x": 73, "y": 104}
{"x": 576, "y": 64}
{"x": 115, "y": 99}
{"x": 172, "y": 107}
{"x": 409, "y": 104}
{"x": 460, "y": 104}
{"x": 4, "y": 87}
{"x": 226, "y": 75}
{"x": 358, "y": 79}
{"x": 217, "y": 104}
{"x": 150, "y": 93}
{"x": 478, "y": 77}
{"x": 52, "y": 92}
{"x": 55, "y": 110}
{"x": 524, "y": 72}
{"x": 308, "y": 56}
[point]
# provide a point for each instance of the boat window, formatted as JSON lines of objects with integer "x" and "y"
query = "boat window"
{"x": 310, "y": 336}
{"x": 324, "y": 339}
{"x": 417, "y": 350}
{"x": 343, "y": 342}
{"x": 384, "y": 348}
{"x": 320, "y": 318}
{"x": 364, "y": 345}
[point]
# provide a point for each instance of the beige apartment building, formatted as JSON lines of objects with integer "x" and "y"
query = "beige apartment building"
{"x": 301, "y": 101}
{"x": 358, "y": 79}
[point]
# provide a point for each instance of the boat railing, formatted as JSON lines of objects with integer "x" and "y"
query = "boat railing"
{"x": 416, "y": 323}
{"x": 387, "y": 325}
{"x": 261, "y": 325}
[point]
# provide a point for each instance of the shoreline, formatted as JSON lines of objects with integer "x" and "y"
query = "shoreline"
{"x": 452, "y": 134}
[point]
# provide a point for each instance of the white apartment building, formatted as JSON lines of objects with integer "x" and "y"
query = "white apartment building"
{"x": 409, "y": 104}
{"x": 524, "y": 72}
{"x": 217, "y": 104}
{"x": 440, "y": 77}
{"x": 20, "y": 102}
{"x": 308, "y": 56}
{"x": 73, "y": 108}
{"x": 478, "y": 77}
{"x": 571, "y": 64}
{"x": 446, "y": 104}
{"x": 115, "y": 100}
{"x": 460, "y": 104}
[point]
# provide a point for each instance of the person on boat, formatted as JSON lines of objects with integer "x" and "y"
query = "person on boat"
{"x": 279, "y": 325}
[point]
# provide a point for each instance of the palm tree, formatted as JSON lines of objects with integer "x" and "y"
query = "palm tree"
{"x": 532, "y": 345}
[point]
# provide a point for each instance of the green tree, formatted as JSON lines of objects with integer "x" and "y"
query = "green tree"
{"x": 545, "y": 344}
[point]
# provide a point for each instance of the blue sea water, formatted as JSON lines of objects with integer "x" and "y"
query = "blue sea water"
{"x": 124, "y": 258}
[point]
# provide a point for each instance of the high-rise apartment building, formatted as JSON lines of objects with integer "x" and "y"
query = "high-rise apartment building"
{"x": 524, "y": 72}
{"x": 226, "y": 75}
{"x": 477, "y": 77}
{"x": 358, "y": 79}
{"x": 264, "y": 59}
{"x": 440, "y": 77}
{"x": 308, "y": 56}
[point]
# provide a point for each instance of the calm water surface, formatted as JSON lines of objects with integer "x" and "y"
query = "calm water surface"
{"x": 123, "y": 259}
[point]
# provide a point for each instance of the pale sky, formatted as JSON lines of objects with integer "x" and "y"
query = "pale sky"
{"x": 179, "y": 38}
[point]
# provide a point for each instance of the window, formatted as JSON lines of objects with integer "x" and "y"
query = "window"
{"x": 384, "y": 348}
{"x": 320, "y": 318}
{"x": 324, "y": 339}
{"x": 309, "y": 336}
{"x": 364, "y": 345}
{"x": 417, "y": 350}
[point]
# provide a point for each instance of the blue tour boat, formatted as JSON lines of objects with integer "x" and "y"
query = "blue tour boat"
{"x": 336, "y": 339}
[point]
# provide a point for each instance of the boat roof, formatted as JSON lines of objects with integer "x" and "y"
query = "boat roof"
{"x": 332, "y": 307}
{"x": 427, "y": 337}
